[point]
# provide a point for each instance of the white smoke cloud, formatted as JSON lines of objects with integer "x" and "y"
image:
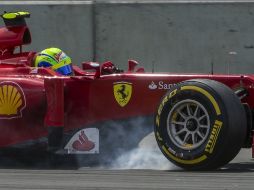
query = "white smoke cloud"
{"x": 146, "y": 156}
{"x": 122, "y": 146}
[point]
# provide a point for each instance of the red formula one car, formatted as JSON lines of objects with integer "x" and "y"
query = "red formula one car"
{"x": 200, "y": 121}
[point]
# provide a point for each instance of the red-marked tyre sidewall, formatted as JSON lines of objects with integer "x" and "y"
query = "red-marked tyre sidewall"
{"x": 227, "y": 125}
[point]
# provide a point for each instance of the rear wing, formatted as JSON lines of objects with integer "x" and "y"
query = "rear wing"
{"x": 15, "y": 33}
{"x": 15, "y": 18}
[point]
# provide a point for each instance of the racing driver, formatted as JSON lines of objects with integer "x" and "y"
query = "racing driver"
{"x": 56, "y": 59}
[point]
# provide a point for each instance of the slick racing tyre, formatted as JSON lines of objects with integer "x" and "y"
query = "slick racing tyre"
{"x": 200, "y": 125}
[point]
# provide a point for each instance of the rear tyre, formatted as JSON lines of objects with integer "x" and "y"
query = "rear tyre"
{"x": 200, "y": 125}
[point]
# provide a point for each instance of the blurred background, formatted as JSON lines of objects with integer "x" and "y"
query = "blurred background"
{"x": 163, "y": 36}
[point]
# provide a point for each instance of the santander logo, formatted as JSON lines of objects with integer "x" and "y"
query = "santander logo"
{"x": 152, "y": 86}
{"x": 160, "y": 85}
{"x": 85, "y": 141}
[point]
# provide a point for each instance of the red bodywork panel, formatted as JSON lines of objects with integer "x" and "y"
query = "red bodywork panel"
{"x": 14, "y": 36}
{"x": 88, "y": 100}
{"x": 11, "y": 37}
{"x": 31, "y": 99}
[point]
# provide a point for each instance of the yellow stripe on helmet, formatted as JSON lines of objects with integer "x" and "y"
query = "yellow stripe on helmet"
{"x": 62, "y": 63}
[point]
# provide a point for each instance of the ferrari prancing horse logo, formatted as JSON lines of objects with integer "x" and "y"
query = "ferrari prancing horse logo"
{"x": 122, "y": 92}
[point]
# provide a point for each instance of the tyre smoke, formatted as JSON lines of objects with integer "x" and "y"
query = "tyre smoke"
{"x": 146, "y": 156}
{"x": 129, "y": 144}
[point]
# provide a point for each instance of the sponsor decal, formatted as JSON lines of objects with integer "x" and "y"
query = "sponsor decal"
{"x": 152, "y": 86}
{"x": 2, "y": 52}
{"x": 85, "y": 141}
{"x": 60, "y": 56}
{"x": 122, "y": 92}
{"x": 181, "y": 160}
{"x": 164, "y": 101}
{"x": 161, "y": 85}
{"x": 158, "y": 136}
{"x": 12, "y": 100}
{"x": 157, "y": 120}
{"x": 213, "y": 137}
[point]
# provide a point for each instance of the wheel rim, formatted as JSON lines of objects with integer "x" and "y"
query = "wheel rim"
{"x": 188, "y": 124}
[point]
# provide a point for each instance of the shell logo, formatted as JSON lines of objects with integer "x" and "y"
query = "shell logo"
{"x": 12, "y": 100}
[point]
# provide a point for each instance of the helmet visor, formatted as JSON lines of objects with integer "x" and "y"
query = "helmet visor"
{"x": 65, "y": 70}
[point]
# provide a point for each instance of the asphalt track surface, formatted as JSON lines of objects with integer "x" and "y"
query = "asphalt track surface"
{"x": 239, "y": 174}
{"x": 10, "y": 2}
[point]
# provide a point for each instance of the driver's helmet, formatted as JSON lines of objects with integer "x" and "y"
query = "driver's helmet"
{"x": 56, "y": 59}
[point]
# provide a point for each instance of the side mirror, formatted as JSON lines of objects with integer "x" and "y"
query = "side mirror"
{"x": 132, "y": 64}
{"x": 92, "y": 67}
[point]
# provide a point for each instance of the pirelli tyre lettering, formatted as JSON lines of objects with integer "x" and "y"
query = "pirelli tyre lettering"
{"x": 200, "y": 124}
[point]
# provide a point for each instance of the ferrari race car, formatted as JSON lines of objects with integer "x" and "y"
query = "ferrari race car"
{"x": 200, "y": 121}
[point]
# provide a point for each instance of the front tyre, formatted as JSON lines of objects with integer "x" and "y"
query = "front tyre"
{"x": 200, "y": 125}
